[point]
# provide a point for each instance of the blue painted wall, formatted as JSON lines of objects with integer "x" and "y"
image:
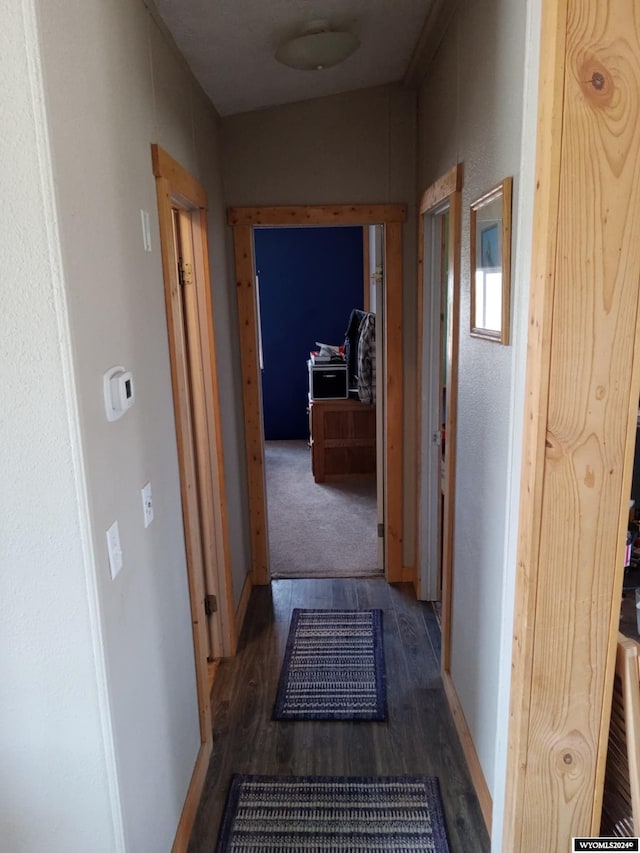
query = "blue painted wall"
{"x": 310, "y": 280}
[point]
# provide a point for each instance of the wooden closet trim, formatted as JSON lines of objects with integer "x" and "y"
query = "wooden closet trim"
{"x": 391, "y": 216}
{"x": 176, "y": 188}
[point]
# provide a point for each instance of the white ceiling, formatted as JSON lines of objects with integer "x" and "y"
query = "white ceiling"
{"x": 229, "y": 45}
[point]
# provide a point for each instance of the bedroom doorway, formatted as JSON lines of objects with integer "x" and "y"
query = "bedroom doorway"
{"x": 391, "y": 217}
{"x": 320, "y": 455}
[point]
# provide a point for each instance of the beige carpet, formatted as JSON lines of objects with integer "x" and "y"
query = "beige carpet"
{"x": 317, "y": 530}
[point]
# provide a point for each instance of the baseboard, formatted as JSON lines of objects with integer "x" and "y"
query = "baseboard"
{"x": 192, "y": 800}
{"x": 212, "y": 669}
{"x": 470, "y": 754}
{"x": 409, "y": 576}
{"x": 241, "y": 610}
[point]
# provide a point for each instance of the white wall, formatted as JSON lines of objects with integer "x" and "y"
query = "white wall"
{"x": 112, "y": 85}
{"x": 471, "y": 111}
{"x": 357, "y": 147}
{"x": 58, "y": 790}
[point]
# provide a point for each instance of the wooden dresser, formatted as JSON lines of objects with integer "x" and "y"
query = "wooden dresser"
{"x": 342, "y": 439}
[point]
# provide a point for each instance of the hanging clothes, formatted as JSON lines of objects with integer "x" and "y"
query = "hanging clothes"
{"x": 352, "y": 336}
{"x": 367, "y": 360}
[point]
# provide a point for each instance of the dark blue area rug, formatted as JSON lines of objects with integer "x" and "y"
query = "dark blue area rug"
{"x": 333, "y": 667}
{"x": 307, "y": 813}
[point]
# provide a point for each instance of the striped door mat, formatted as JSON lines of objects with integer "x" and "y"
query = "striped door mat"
{"x": 271, "y": 814}
{"x": 333, "y": 667}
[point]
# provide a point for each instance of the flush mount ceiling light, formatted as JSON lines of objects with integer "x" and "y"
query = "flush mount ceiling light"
{"x": 317, "y": 47}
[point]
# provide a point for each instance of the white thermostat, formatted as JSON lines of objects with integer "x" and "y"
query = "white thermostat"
{"x": 118, "y": 392}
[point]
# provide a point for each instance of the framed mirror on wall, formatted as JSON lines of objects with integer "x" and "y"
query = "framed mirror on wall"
{"x": 490, "y": 243}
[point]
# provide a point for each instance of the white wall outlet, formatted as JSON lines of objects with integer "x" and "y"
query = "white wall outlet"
{"x": 114, "y": 549}
{"x": 147, "y": 504}
{"x": 146, "y": 230}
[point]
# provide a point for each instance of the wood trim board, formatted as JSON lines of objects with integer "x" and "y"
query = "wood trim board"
{"x": 582, "y": 389}
{"x": 323, "y": 214}
{"x": 182, "y": 184}
{"x": 192, "y": 800}
{"x": 186, "y": 453}
{"x": 468, "y": 747}
{"x": 392, "y": 217}
{"x": 366, "y": 271}
{"x": 182, "y": 219}
{"x": 441, "y": 190}
{"x": 252, "y": 399}
{"x": 241, "y": 610}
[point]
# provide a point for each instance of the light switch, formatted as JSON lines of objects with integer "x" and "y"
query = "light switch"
{"x": 146, "y": 230}
{"x": 147, "y": 504}
{"x": 114, "y": 549}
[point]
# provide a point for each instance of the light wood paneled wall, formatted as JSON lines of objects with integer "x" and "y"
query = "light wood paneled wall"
{"x": 583, "y": 382}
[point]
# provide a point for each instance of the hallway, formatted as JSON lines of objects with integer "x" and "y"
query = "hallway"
{"x": 418, "y": 738}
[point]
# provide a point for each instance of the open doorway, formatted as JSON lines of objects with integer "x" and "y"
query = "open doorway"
{"x": 243, "y": 221}
{"x": 312, "y": 286}
{"x": 438, "y": 329}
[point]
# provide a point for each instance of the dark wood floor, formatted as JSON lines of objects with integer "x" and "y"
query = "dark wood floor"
{"x": 418, "y": 738}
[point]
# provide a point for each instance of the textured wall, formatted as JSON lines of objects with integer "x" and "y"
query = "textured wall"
{"x": 357, "y": 147}
{"x": 112, "y": 85}
{"x": 58, "y": 767}
{"x": 471, "y": 111}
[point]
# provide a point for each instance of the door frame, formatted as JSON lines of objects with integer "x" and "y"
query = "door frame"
{"x": 201, "y": 468}
{"x": 446, "y": 191}
{"x": 243, "y": 220}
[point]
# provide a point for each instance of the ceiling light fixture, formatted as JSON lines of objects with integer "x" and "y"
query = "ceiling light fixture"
{"x": 317, "y": 47}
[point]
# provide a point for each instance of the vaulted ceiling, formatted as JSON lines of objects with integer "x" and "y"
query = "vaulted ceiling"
{"x": 230, "y": 46}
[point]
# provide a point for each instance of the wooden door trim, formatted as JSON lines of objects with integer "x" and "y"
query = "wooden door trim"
{"x": 181, "y": 189}
{"x": 176, "y": 188}
{"x": 186, "y": 458}
{"x": 441, "y": 190}
{"x": 321, "y": 214}
{"x": 366, "y": 270}
{"x": 391, "y": 216}
{"x": 579, "y": 424}
{"x": 252, "y": 402}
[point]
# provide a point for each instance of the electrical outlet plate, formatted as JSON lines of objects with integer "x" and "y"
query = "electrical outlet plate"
{"x": 147, "y": 504}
